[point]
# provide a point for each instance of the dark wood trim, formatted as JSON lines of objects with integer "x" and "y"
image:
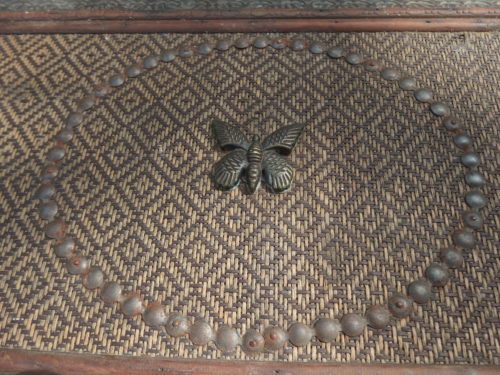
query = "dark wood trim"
{"x": 253, "y": 20}
{"x": 73, "y": 364}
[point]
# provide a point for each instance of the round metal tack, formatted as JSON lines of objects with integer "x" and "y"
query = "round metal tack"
{"x": 94, "y": 278}
{"x": 151, "y": 61}
{"x": 464, "y": 238}
{"x": 252, "y": 342}
{"x": 132, "y": 305}
{"x": 378, "y": 317}
{"x": 134, "y": 70}
{"x": 155, "y": 316}
{"x": 353, "y": 324}
{"x": 440, "y": 109}
{"x": 390, "y": 74}
{"x": 48, "y": 210}
{"x": 186, "y": 51}
{"x": 74, "y": 119}
{"x": 470, "y": 159}
{"x": 261, "y": 42}
{"x": 116, "y": 80}
{"x": 65, "y": 248}
{"x": 201, "y": 333}
{"x": 453, "y": 258}
{"x": 437, "y": 274}
{"x": 452, "y": 124}
{"x": 420, "y": 291}
{"x": 475, "y": 179}
{"x": 462, "y": 141}
{"x": 473, "y": 219}
{"x": 316, "y": 48}
{"x": 424, "y": 95}
{"x": 55, "y": 229}
{"x": 65, "y": 135}
{"x": 168, "y": 55}
{"x": 204, "y": 49}
{"x": 85, "y": 103}
{"x": 298, "y": 45}
{"x": 56, "y": 153}
{"x": 275, "y": 338}
{"x": 335, "y": 52}
{"x": 78, "y": 265}
{"x": 227, "y": 339}
{"x": 475, "y": 199}
{"x": 242, "y": 43}
{"x": 101, "y": 90}
{"x": 400, "y": 306}
{"x": 372, "y": 66}
{"x": 45, "y": 191}
{"x": 327, "y": 329}
{"x": 223, "y": 45}
{"x": 177, "y": 325}
{"x": 300, "y": 334}
{"x": 408, "y": 83}
{"x": 111, "y": 292}
{"x": 354, "y": 58}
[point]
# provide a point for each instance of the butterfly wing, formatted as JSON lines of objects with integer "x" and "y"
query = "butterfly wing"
{"x": 284, "y": 138}
{"x": 229, "y": 136}
{"x": 227, "y": 171}
{"x": 278, "y": 173}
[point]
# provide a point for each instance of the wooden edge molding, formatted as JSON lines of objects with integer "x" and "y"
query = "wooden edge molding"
{"x": 17, "y": 361}
{"x": 252, "y": 20}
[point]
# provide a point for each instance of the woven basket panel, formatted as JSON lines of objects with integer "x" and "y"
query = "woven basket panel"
{"x": 378, "y": 190}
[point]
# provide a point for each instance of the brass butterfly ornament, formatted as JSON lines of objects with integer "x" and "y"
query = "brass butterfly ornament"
{"x": 252, "y": 160}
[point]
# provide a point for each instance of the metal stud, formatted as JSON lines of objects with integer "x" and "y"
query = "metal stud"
{"x": 94, "y": 278}
{"x": 453, "y": 258}
{"x": 155, "y": 316}
{"x": 316, "y": 48}
{"x": 201, "y": 333}
{"x": 151, "y": 61}
{"x": 186, "y": 51}
{"x": 462, "y": 141}
{"x": 111, "y": 292}
{"x": 437, "y": 274}
{"x": 261, "y": 42}
{"x": 378, "y": 317}
{"x": 85, "y": 103}
{"x": 50, "y": 172}
{"x": 242, "y": 43}
{"x": 56, "y": 153}
{"x": 78, "y": 265}
{"x": 300, "y": 334}
{"x": 48, "y": 210}
{"x": 168, "y": 55}
{"x": 252, "y": 342}
{"x": 475, "y": 179}
{"x": 372, "y": 66}
{"x": 464, "y": 238}
{"x": 227, "y": 339}
{"x": 475, "y": 199}
{"x": 354, "y": 58}
{"x": 102, "y": 90}
{"x": 204, "y": 49}
{"x": 452, "y": 124}
{"x": 116, "y": 80}
{"x": 45, "y": 191}
{"x": 65, "y": 135}
{"x": 440, "y": 109}
{"x": 335, "y": 52}
{"x": 275, "y": 338}
{"x": 65, "y": 248}
{"x": 278, "y": 43}
{"x": 134, "y": 70}
{"x": 390, "y": 74}
{"x": 223, "y": 45}
{"x": 327, "y": 329}
{"x": 132, "y": 305}
{"x": 420, "y": 291}
{"x": 177, "y": 325}
{"x": 470, "y": 159}
{"x": 408, "y": 83}
{"x": 55, "y": 229}
{"x": 400, "y": 306}
{"x": 353, "y": 324}
{"x": 74, "y": 119}
{"x": 298, "y": 45}
{"x": 424, "y": 95}
{"x": 473, "y": 219}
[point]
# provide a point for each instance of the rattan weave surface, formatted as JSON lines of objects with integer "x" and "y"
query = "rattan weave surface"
{"x": 377, "y": 191}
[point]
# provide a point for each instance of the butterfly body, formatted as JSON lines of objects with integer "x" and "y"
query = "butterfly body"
{"x": 253, "y": 160}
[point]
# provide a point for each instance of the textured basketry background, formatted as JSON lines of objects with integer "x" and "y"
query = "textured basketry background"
{"x": 378, "y": 189}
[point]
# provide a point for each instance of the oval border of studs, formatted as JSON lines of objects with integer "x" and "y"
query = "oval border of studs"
{"x": 325, "y": 329}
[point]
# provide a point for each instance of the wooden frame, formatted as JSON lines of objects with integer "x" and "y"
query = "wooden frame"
{"x": 252, "y": 20}
{"x": 15, "y": 361}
